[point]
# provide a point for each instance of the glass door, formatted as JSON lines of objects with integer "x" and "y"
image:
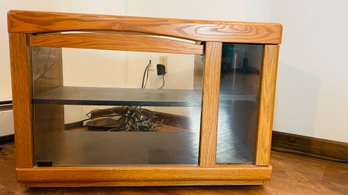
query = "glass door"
{"x": 98, "y": 107}
{"x": 239, "y": 103}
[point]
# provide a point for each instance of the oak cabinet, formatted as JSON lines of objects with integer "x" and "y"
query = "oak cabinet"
{"x": 209, "y": 124}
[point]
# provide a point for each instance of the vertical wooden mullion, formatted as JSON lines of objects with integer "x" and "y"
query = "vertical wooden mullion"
{"x": 210, "y": 104}
{"x": 266, "y": 106}
{"x": 22, "y": 93}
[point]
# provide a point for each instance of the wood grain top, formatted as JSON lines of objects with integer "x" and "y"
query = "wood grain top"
{"x": 198, "y": 30}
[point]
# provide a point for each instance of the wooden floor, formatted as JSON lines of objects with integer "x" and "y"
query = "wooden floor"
{"x": 292, "y": 174}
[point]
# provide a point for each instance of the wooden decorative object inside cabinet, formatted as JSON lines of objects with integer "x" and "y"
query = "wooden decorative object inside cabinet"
{"x": 90, "y": 110}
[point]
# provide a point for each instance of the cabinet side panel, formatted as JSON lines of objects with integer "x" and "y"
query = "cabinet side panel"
{"x": 48, "y": 119}
{"x": 21, "y": 90}
{"x": 266, "y": 109}
{"x": 210, "y": 104}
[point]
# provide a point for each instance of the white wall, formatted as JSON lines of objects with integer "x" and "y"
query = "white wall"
{"x": 6, "y": 122}
{"x": 197, "y": 9}
{"x": 75, "y": 62}
{"x": 77, "y": 6}
{"x": 312, "y": 88}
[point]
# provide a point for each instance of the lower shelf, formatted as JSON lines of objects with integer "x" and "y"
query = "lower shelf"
{"x": 111, "y": 148}
{"x": 169, "y": 145}
{"x": 86, "y": 148}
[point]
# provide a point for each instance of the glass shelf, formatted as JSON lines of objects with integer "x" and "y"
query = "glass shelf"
{"x": 131, "y": 96}
{"x": 119, "y": 96}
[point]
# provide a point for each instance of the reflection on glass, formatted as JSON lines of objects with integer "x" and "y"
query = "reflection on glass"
{"x": 84, "y": 118}
{"x": 238, "y": 106}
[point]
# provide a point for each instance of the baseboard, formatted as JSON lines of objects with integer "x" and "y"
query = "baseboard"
{"x": 6, "y": 120}
{"x": 332, "y": 150}
{"x": 6, "y": 139}
{"x": 7, "y": 102}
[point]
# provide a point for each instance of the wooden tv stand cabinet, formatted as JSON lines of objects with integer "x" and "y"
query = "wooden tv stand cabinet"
{"x": 226, "y": 141}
